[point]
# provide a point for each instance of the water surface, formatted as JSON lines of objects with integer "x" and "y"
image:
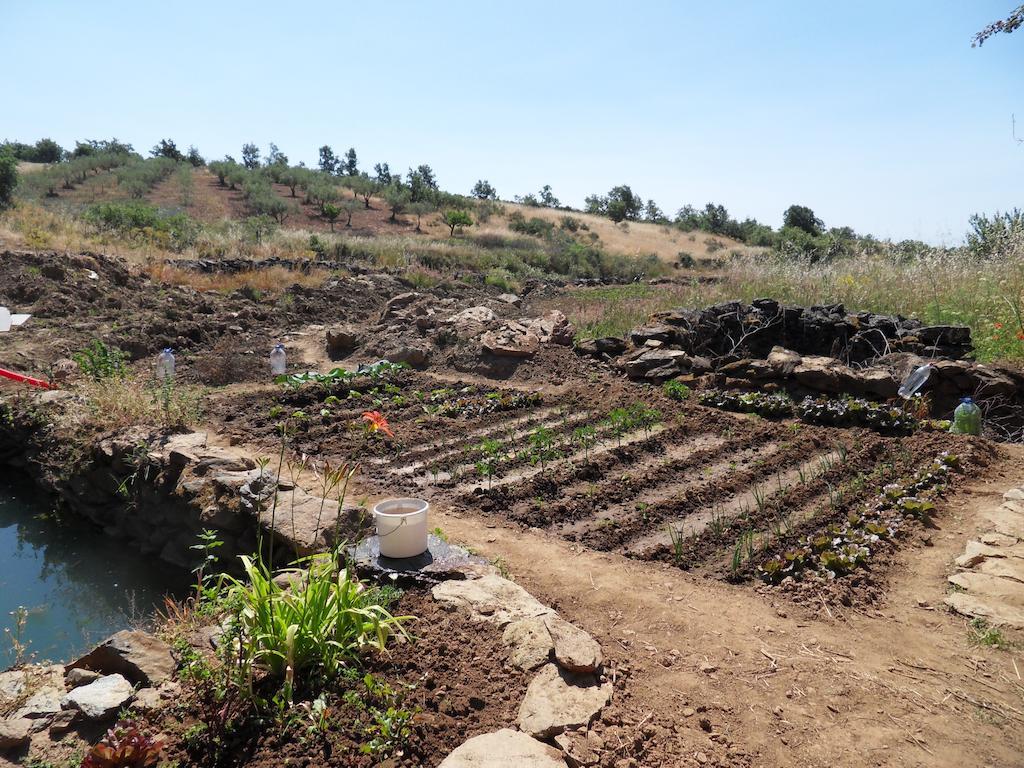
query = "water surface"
{"x": 78, "y": 585}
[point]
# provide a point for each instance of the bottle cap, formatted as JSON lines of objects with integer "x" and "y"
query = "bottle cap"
{"x": 966, "y": 400}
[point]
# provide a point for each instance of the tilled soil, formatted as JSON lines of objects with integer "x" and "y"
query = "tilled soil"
{"x": 451, "y": 677}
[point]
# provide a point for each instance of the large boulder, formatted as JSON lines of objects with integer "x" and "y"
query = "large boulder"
{"x": 101, "y": 699}
{"x": 504, "y": 749}
{"x": 139, "y": 656}
{"x": 825, "y": 374}
{"x": 660, "y": 332}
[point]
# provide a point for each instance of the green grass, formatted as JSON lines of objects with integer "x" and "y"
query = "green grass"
{"x": 981, "y": 633}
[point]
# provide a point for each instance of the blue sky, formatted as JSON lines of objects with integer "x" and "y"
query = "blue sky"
{"x": 878, "y": 115}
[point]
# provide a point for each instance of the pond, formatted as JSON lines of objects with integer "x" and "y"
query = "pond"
{"x": 77, "y": 585}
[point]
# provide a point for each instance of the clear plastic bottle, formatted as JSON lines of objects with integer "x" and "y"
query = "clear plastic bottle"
{"x": 165, "y": 364}
{"x": 278, "y": 360}
{"x": 915, "y": 381}
{"x": 966, "y": 418}
{"x": 5, "y": 319}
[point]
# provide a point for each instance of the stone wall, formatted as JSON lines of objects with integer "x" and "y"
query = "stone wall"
{"x": 159, "y": 490}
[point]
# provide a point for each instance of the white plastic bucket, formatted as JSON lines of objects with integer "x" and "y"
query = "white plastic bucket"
{"x": 402, "y": 526}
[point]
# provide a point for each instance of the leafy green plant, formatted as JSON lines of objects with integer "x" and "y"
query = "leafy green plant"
{"x": 676, "y": 390}
{"x": 542, "y": 447}
{"x": 99, "y": 361}
{"x": 585, "y": 437}
{"x": 490, "y": 453}
{"x": 322, "y": 622}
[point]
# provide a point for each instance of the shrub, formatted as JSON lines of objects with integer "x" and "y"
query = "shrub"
{"x": 137, "y": 219}
{"x": 502, "y": 279}
{"x": 676, "y": 390}
{"x": 685, "y": 260}
{"x": 8, "y": 180}
{"x": 535, "y": 225}
{"x": 98, "y": 361}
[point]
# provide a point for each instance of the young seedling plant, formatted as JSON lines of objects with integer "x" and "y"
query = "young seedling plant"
{"x": 490, "y": 454}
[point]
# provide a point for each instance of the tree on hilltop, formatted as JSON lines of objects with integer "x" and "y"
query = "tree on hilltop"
{"x": 167, "y": 148}
{"x": 483, "y": 190}
{"x": 351, "y": 164}
{"x": 250, "y": 156}
{"x": 328, "y": 160}
{"x": 802, "y": 217}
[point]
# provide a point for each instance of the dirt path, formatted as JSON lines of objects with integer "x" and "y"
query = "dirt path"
{"x": 899, "y": 685}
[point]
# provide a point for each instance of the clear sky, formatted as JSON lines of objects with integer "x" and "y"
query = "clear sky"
{"x": 877, "y": 114}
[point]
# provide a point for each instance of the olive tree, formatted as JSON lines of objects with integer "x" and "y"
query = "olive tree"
{"x": 397, "y": 198}
{"x": 419, "y": 210}
{"x": 483, "y": 190}
{"x": 457, "y": 219}
{"x": 251, "y": 156}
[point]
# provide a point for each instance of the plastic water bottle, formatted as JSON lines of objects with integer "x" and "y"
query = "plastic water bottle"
{"x": 915, "y": 381}
{"x": 5, "y": 319}
{"x": 278, "y": 360}
{"x": 165, "y": 365}
{"x": 966, "y": 418}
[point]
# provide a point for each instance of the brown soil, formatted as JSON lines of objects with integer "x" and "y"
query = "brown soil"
{"x": 450, "y": 676}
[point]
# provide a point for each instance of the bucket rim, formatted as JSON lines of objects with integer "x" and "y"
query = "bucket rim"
{"x": 422, "y": 505}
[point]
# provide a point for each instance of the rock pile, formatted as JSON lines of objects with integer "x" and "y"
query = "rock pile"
{"x": 412, "y": 327}
{"x": 565, "y": 695}
{"x": 131, "y": 668}
{"x": 684, "y": 340}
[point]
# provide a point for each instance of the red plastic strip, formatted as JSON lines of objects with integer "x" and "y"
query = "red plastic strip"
{"x": 24, "y": 379}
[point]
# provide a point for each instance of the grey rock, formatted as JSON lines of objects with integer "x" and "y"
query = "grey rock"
{"x": 504, "y": 749}
{"x": 79, "y": 676}
{"x": 557, "y": 699}
{"x": 100, "y": 699}
{"x": 575, "y": 650}
{"x": 491, "y": 598}
{"x": 43, "y": 702}
{"x": 511, "y": 340}
{"x": 530, "y": 643}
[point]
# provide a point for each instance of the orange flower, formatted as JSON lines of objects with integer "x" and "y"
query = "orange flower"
{"x": 997, "y": 325}
{"x": 375, "y": 422}
{"x": 1020, "y": 335}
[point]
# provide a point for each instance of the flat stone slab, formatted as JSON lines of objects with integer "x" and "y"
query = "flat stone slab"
{"x": 991, "y": 587}
{"x": 101, "y": 699}
{"x": 1006, "y": 522}
{"x": 504, "y": 749}
{"x": 993, "y": 611}
{"x": 556, "y": 700}
{"x": 440, "y": 562}
{"x": 530, "y": 643}
{"x": 491, "y": 598}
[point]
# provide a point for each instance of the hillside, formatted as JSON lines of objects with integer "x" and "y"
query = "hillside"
{"x": 203, "y": 198}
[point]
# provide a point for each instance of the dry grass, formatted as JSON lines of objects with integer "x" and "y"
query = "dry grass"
{"x": 117, "y": 403}
{"x": 269, "y": 281}
{"x": 24, "y": 166}
{"x": 629, "y": 239}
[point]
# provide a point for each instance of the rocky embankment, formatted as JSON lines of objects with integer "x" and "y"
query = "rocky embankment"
{"x": 809, "y": 350}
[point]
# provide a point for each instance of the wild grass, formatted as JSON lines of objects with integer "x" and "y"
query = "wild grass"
{"x": 268, "y": 281}
{"x": 948, "y": 287}
{"x": 116, "y": 403}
